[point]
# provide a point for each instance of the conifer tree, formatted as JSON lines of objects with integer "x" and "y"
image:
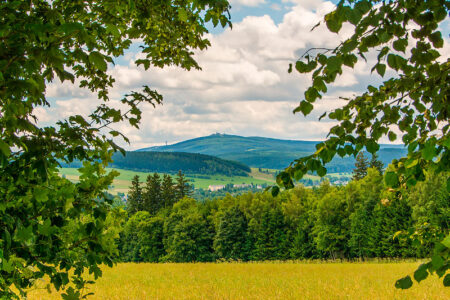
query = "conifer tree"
{"x": 167, "y": 191}
{"x": 152, "y": 194}
{"x": 361, "y": 165}
{"x": 135, "y": 197}
{"x": 376, "y": 163}
{"x": 182, "y": 186}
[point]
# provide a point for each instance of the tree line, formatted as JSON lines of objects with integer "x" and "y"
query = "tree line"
{"x": 358, "y": 221}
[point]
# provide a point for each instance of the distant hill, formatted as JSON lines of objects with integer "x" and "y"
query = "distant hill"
{"x": 268, "y": 153}
{"x": 163, "y": 162}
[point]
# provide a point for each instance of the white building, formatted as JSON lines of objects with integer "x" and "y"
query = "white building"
{"x": 214, "y": 188}
{"x": 241, "y": 186}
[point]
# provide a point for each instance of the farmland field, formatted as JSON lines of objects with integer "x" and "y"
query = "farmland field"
{"x": 259, "y": 281}
{"x": 123, "y": 181}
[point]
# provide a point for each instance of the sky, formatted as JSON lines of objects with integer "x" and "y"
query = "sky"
{"x": 243, "y": 88}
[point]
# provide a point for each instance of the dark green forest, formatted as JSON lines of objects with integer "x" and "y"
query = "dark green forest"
{"x": 164, "y": 162}
{"x": 361, "y": 220}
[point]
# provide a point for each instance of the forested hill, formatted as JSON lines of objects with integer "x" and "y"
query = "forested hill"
{"x": 164, "y": 162}
{"x": 266, "y": 152}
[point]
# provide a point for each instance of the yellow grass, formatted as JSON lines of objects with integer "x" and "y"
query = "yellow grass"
{"x": 259, "y": 281}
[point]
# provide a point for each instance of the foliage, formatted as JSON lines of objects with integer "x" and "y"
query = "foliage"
{"x": 135, "y": 197}
{"x": 358, "y": 221}
{"x": 153, "y": 201}
{"x": 412, "y": 101}
{"x": 361, "y": 166}
{"x": 230, "y": 240}
{"x": 182, "y": 188}
{"x": 191, "y": 163}
{"x": 376, "y": 163}
{"x": 48, "y": 225}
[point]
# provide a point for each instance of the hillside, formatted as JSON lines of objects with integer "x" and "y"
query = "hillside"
{"x": 188, "y": 163}
{"x": 268, "y": 153}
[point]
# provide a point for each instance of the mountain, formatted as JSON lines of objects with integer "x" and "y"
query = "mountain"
{"x": 164, "y": 162}
{"x": 261, "y": 152}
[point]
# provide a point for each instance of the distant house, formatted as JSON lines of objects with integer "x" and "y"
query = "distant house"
{"x": 214, "y": 188}
{"x": 241, "y": 186}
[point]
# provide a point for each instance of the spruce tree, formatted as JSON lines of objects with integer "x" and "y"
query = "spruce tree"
{"x": 361, "y": 166}
{"x": 376, "y": 163}
{"x": 182, "y": 187}
{"x": 152, "y": 194}
{"x": 135, "y": 199}
{"x": 167, "y": 191}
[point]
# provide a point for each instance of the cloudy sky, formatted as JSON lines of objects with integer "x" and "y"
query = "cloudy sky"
{"x": 244, "y": 87}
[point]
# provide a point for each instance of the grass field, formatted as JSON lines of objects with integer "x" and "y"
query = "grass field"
{"x": 123, "y": 181}
{"x": 259, "y": 281}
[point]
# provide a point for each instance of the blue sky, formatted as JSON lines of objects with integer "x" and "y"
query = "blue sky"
{"x": 244, "y": 87}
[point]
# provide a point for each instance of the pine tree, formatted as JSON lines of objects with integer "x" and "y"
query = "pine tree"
{"x": 135, "y": 197}
{"x": 361, "y": 166}
{"x": 182, "y": 187}
{"x": 152, "y": 194}
{"x": 376, "y": 163}
{"x": 167, "y": 191}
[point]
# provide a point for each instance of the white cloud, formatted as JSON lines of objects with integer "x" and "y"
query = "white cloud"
{"x": 247, "y": 2}
{"x": 244, "y": 87}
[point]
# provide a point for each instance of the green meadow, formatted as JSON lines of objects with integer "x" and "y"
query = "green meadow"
{"x": 123, "y": 181}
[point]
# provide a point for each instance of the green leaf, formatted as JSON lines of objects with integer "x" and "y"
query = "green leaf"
{"x": 349, "y": 45}
{"x": 400, "y": 45}
{"x": 305, "y": 107}
{"x": 302, "y": 67}
{"x": 321, "y": 171}
{"x": 411, "y": 163}
{"x": 24, "y": 234}
{"x": 334, "y": 63}
{"x": 372, "y": 146}
{"x": 429, "y": 150}
{"x": 333, "y": 22}
{"x": 46, "y": 228}
{"x": 421, "y": 273}
{"x": 40, "y": 194}
{"x": 7, "y": 266}
{"x": 71, "y": 294}
{"x": 98, "y": 61}
{"x": 298, "y": 174}
{"x": 404, "y": 283}
{"x": 275, "y": 191}
{"x": 363, "y": 6}
{"x": 437, "y": 261}
{"x": 311, "y": 94}
{"x": 182, "y": 14}
{"x": 391, "y": 179}
{"x": 392, "y": 61}
{"x": 381, "y": 69}
{"x": 446, "y": 241}
{"x": 447, "y": 280}
{"x": 436, "y": 39}
{"x": 4, "y": 147}
{"x": 392, "y": 136}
